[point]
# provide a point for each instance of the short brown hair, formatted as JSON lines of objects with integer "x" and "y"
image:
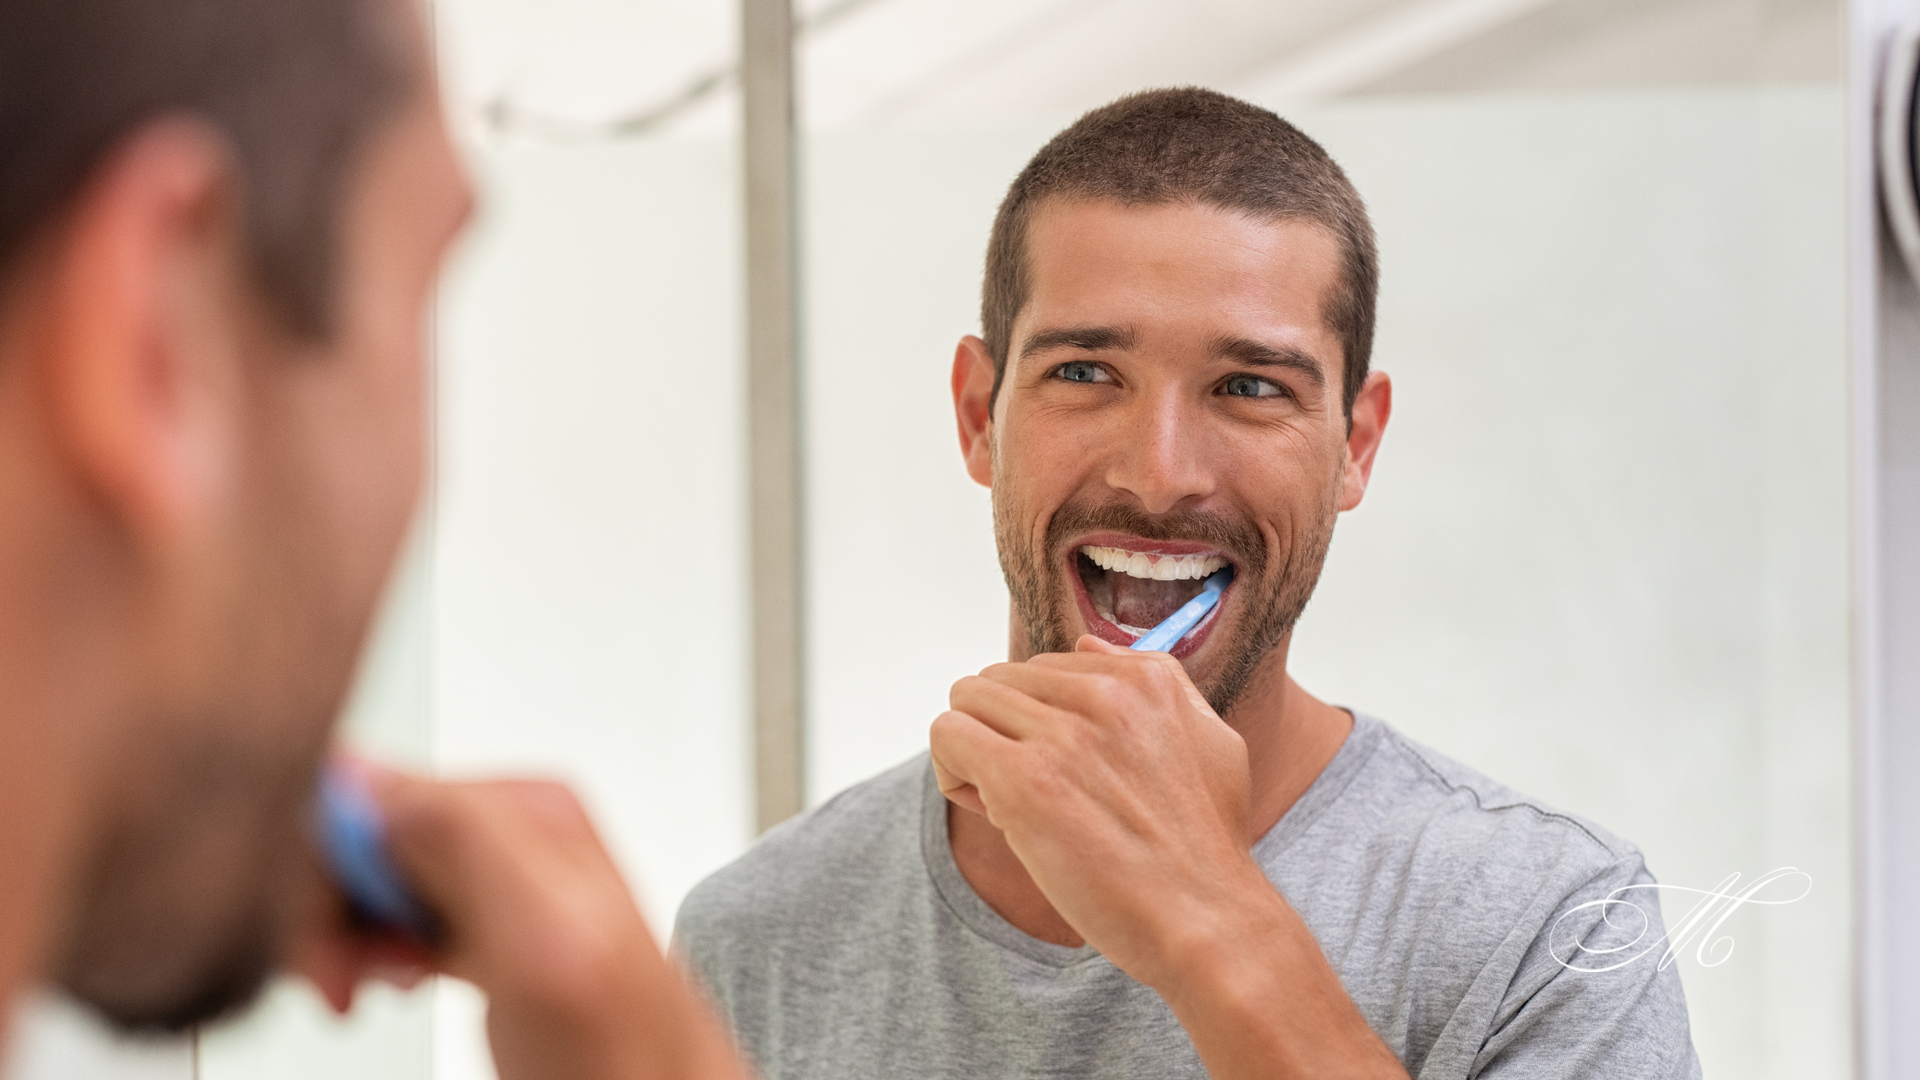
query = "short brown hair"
{"x": 294, "y": 86}
{"x": 1189, "y": 145}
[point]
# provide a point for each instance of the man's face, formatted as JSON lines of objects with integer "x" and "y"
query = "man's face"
{"x": 1171, "y": 407}
{"x": 258, "y": 618}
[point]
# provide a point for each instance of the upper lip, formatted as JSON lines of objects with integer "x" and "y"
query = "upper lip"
{"x": 1148, "y": 547}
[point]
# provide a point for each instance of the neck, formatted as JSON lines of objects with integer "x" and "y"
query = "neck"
{"x": 1291, "y": 737}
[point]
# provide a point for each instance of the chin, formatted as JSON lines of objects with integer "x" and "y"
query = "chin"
{"x": 217, "y": 986}
{"x": 186, "y": 908}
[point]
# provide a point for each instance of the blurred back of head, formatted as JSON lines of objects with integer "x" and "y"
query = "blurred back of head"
{"x": 222, "y": 702}
{"x": 295, "y": 86}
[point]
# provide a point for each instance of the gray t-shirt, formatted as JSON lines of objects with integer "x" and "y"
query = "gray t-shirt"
{"x": 846, "y": 944}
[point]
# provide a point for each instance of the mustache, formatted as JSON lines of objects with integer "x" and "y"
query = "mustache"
{"x": 1237, "y": 537}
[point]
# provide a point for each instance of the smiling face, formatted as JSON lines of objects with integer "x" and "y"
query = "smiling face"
{"x": 1171, "y": 407}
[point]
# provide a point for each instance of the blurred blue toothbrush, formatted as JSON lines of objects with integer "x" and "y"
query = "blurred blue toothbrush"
{"x": 1177, "y": 625}
{"x": 352, "y": 835}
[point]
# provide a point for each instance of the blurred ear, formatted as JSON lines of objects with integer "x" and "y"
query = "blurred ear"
{"x": 1370, "y": 413}
{"x": 973, "y": 407}
{"x": 140, "y": 364}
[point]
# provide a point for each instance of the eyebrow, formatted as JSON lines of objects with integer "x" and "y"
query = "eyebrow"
{"x": 1259, "y": 354}
{"x": 1245, "y": 351}
{"x": 1084, "y": 338}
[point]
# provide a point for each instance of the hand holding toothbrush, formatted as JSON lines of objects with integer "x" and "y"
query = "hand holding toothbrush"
{"x": 1122, "y": 793}
{"x": 507, "y": 886}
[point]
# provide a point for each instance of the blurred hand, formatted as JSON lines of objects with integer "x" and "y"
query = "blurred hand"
{"x": 536, "y": 915}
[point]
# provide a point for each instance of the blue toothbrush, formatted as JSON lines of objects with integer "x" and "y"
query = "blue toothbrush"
{"x": 352, "y": 834}
{"x": 1176, "y": 626}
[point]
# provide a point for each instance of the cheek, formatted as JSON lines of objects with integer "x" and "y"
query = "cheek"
{"x": 1045, "y": 455}
{"x": 1290, "y": 486}
{"x": 371, "y": 450}
{"x": 394, "y": 478}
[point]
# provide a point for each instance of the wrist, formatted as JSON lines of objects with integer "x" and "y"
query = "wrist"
{"x": 1259, "y": 999}
{"x": 604, "y": 1009}
{"x": 1223, "y": 952}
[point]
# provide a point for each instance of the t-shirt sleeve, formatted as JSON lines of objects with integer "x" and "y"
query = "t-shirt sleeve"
{"x": 1591, "y": 998}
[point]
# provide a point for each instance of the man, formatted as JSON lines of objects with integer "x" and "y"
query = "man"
{"x": 1127, "y": 864}
{"x": 220, "y": 224}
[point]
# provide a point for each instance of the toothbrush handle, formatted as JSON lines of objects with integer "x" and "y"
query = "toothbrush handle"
{"x": 351, "y": 832}
{"x": 1177, "y": 625}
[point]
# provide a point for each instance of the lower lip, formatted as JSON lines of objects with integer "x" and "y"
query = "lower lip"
{"x": 1106, "y": 630}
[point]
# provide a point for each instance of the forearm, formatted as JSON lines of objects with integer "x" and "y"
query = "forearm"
{"x": 1259, "y": 1000}
{"x": 657, "y": 1028}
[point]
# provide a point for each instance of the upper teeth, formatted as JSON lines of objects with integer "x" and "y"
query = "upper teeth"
{"x": 1141, "y": 564}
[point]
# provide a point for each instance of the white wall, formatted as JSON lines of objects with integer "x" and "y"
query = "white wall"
{"x": 52, "y": 1038}
{"x": 1604, "y": 558}
{"x": 1607, "y": 555}
{"x": 588, "y": 571}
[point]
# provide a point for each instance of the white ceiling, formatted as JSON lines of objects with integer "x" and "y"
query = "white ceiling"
{"x": 578, "y": 68}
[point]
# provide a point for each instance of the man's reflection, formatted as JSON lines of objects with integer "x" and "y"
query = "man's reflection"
{"x": 1119, "y": 863}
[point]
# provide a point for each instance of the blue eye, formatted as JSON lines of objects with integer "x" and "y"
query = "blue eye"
{"x": 1082, "y": 371}
{"x": 1250, "y": 386}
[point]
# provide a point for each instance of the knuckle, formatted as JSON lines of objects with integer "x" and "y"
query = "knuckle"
{"x": 1041, "y": 782}
{"x": 965, "y": 687}
{"x": 1107, "y": 688}
{"x": 944, "y": 727}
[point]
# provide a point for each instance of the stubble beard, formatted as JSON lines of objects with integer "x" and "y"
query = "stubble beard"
{"x": 1043, "y": 601}
{"x": 186, "y": 907}
{"x": 183, "y": 914}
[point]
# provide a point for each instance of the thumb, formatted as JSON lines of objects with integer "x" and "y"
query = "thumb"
{"x": 1092, "y": 644}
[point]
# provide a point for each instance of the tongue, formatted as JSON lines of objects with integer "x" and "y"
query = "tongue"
{"x": 1142, "y": 603}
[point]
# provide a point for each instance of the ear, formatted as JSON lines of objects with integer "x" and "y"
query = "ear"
{"x": 140, "y": 369}
{"x": 1370, "y": 412}
{"x": 973, "y": 407}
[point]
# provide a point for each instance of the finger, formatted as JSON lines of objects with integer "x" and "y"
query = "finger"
{"x": 399, "y": 961}
{"x": 336, "y": 956}
{"x": 1095, "y": 654}
{"x": 1004, "y": 708}
{"x": 1049, "y": 696}
{"x": 328, "y": 958}
{"x": 452, "y": 843}
{"x": 967, "y": 757}
{"x": 964, "y": 796}
{"x": 1117, "y": 660}
{"x": 1096, "y": 683}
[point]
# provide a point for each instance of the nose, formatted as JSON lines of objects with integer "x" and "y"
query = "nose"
{"x": 1161, "y": 459}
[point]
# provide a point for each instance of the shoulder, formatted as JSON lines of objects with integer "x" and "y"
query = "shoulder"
{"x": 818, "y": 861}
{"x": 1446, "y": 859}
{"x": 1455, "y": 905}
{"x": 1418, "y": 795}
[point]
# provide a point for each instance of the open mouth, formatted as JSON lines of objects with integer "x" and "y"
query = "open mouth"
{"x": 1127, "y": 590}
